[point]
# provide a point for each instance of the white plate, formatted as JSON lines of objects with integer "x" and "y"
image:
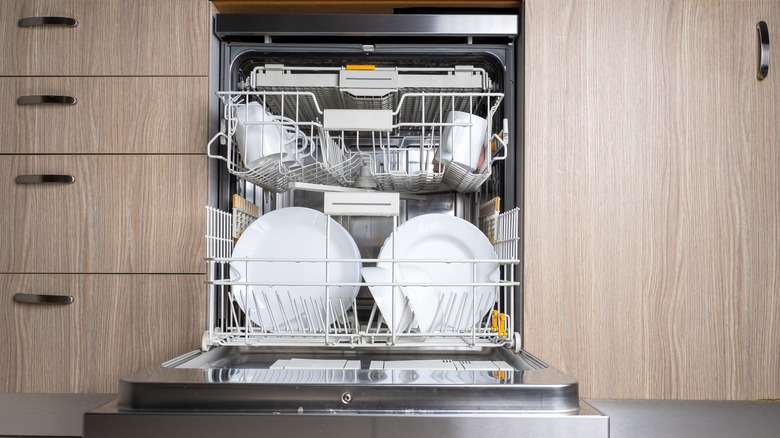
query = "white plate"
{"x": 446, "y": 238}
{"x": 294, "y": 233}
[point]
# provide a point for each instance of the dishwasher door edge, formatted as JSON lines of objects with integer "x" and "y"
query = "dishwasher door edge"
{"x": 108, "y": 421}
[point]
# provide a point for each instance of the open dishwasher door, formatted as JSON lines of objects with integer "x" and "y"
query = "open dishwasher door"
{"x": 364, "y": 242}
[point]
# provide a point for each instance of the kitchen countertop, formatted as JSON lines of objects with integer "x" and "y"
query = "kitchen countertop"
{"x": 690, "y": 419}
{"x": 46, "y": 414}
{"x": 61, "y": 415}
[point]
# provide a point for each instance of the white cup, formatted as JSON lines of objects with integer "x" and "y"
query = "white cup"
{"x": 463, "y": 143}
{"x": 261, "y": 136}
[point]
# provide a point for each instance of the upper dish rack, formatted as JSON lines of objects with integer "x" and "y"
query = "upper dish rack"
{"x": 337, "y": 323}
{"x": 391, "y": 129}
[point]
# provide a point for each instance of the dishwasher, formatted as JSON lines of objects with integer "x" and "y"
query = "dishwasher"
{"x": 364, "y": 241}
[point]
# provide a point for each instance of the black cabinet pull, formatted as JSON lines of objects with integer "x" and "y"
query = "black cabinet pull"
{"x": 763, "y": 50}
{"x": 61, "y": 300}
{"x": 45, "y": 179}
{"x": 46, "y": 99}
{"x": 48, "y": 21}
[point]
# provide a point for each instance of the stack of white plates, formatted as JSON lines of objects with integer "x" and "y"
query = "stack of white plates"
{"x": 435, "y": 256}
{"x": 286, "y": 294}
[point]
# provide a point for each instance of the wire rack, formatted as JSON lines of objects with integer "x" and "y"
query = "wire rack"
{"x": 323, "y": 126}
{"x": 464, "y": 316}
{"x": 286, "y": 149}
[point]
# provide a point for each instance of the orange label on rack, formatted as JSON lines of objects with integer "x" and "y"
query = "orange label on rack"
{"x": 360, "y": 67}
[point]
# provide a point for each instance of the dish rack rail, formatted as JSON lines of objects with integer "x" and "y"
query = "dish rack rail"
{"x": 336, "y": 322}
{"x": 343, "y": 133}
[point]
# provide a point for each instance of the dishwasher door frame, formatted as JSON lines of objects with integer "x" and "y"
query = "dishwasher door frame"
{"x": 367, "y": 36}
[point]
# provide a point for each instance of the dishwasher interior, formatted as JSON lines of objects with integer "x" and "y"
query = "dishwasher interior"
{"x": 364, "y": 231}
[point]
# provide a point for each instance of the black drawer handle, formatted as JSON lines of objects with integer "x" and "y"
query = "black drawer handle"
{"x": 46, "y": 99}
{"x": 48, "y": 21}
{"x": 763, "y": 50}
{"x": 61, "y": 300}
{"x": 45, "y": 179}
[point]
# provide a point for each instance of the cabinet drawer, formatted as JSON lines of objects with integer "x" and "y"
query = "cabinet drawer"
{"x": 110, "y": 115}
{"x": 123, "y": 214}
{"x": 115, "y": 325}
{"x": 113, "y": 37}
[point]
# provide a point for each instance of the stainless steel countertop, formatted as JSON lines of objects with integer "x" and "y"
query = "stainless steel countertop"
{"x": 678, "y": 418}
{"x": 61, "y": 415}
{"x": 46, "y": 414}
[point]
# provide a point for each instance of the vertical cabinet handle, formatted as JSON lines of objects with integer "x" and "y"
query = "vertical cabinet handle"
{"x": 46, "y": 99}
{"x": 62, "y": 300}
{"x": 48, "y": 21}
{"x": 763, "y": 50}
{"x": 45, "y": 179}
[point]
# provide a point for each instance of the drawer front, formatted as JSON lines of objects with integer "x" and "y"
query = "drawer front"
{"x": 115, "y": 325}
{"x": 113, "y": 37}
{"x": 123, "y": 214}
{"x": 104, "y": 114}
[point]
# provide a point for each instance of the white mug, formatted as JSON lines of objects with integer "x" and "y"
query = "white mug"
{"x": 463, "y": 140}
{"x": 263, "y": 136}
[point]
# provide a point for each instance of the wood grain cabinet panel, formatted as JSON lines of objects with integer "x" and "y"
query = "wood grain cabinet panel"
{"x": 111, "y": 115}
{"x": 116, "y": 324}
{"x": 652, "y": 198}
{"x": 113, "y": 37}
{"x": 123, "y": 214}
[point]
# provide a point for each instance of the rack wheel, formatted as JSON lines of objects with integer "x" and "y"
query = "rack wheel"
{"x": 205, "y": 342}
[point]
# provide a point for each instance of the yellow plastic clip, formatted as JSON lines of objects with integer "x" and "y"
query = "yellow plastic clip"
{"x": 502, "y": 327}
{"x": 360, "y": 67}
{"x": 494, "y": 326}
{"x": 499, "y": 375}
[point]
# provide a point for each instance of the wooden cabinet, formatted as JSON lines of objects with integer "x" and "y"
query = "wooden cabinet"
{"x": 121, "y": 115}
{"x": 115, "y": 325}
{"x": 126, "y": 239}
{"x": 123, "y": 214}
{"x": 113, "y": 37}
{"x": 652, "y": 214}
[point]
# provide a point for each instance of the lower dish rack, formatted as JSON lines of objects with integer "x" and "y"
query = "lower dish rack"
{"x": 470, "y": 311}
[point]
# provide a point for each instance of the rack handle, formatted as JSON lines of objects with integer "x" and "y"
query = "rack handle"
{"x": 62, "y": 300}
{"x": 45, "y": 179}
{"x": 48, "y": 21}
{"x": 763, "y": 50}
{"x": 46, "y": 99}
